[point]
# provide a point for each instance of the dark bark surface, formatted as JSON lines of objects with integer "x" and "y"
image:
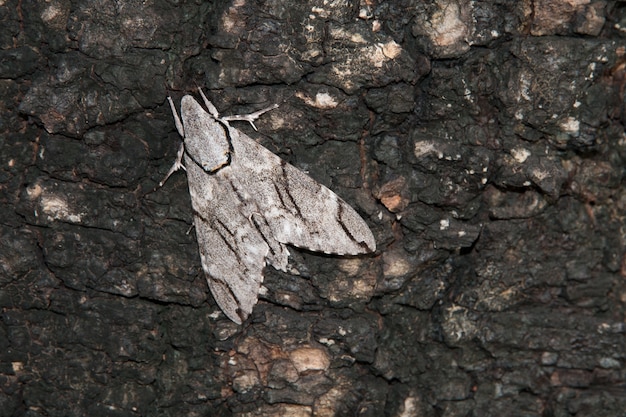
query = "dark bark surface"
{"x": 483, "y": 142}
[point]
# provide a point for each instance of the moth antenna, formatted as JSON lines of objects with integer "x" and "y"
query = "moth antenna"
{"x": 177, "y": 122}
{"x": 209, "y": 105}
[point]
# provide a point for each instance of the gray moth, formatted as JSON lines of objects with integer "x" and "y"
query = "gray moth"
{"x": 248, "y": 204}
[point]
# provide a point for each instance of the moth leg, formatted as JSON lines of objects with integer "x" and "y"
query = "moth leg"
{"x": 250, "y": 118}
{"x": 178, "y": 164}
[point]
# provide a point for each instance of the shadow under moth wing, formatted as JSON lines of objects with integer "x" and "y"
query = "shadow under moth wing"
{"x": 248, "y": 204}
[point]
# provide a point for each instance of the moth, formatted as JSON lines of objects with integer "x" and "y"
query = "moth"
{"x": 249, "y": 204}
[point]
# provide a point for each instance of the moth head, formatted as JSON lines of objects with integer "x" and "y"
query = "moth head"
{"x": 207, "y": 142}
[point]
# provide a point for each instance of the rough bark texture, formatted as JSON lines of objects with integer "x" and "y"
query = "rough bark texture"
{"x": 483, "y": 141}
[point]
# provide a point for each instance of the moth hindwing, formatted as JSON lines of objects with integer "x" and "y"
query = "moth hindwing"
{"x": 248, "y": 205}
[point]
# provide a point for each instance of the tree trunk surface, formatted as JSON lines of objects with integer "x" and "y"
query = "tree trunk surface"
{"x": 482, "y": 142}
